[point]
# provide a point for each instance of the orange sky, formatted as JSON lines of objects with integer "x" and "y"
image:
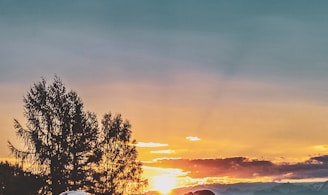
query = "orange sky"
{"x": 241, "y": 79}
{"x": 233, "y": 122}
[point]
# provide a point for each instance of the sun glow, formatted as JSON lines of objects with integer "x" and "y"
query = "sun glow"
{"x": 163, "y": 183}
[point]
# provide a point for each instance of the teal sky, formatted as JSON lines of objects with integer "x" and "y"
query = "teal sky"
{"x": 146, "y": 58}
{"x": 152, "y": 39}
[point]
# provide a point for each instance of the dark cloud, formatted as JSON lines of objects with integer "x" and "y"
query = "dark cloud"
{"x": 241, "y": 167}
{"x": 320, "y": 159}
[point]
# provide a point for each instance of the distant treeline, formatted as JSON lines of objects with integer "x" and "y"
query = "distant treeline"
{"x": 14, "y": 180}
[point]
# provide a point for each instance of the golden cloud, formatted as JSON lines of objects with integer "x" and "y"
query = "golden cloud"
{"x": 150, "y": 145}
{"x": 192, "y": 138}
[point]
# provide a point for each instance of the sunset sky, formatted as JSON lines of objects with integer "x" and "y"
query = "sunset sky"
{"x": 234, "y": 81}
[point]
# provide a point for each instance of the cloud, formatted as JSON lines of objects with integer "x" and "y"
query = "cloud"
{"x": 320, "y": 159}
{"x": 242, "y": 167}
{"x": 162, "y": 152}
{"x": 165, "y": 158}
{"x": 150, "y": 145}
{"x": 321, "y": 147}
{"x": 192, "y": 138}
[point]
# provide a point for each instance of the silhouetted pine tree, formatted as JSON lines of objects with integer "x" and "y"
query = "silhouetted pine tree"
{"x": 120, "y": 171}
{"x": 64, "y": 142}
{"x": 60, "y": 136}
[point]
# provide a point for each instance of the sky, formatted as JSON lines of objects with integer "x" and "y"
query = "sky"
{"x": 197, "y": 80}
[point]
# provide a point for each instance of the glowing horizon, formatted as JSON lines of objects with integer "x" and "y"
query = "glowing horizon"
{"x": 222, "y": 80}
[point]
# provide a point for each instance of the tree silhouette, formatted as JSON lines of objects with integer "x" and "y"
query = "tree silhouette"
{"x": 13, "y": 180}
{"x": 70, "y": 150}
{"x": 60, "y": 135}
{"x": 120, "y": 172}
